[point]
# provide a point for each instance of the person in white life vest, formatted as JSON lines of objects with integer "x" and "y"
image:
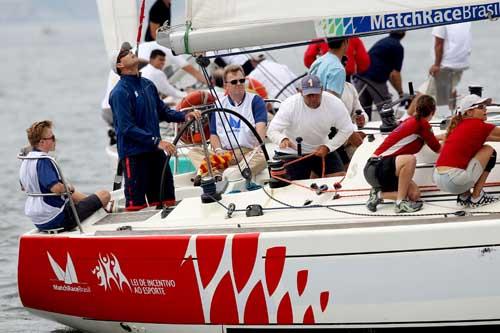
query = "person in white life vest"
{"x": 250, "y": 106}
{"x": 41, "y": 176}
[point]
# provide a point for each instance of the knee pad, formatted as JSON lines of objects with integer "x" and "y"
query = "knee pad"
{"x": 491, "y": 162}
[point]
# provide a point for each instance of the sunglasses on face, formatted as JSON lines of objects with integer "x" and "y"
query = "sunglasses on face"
{"x": 480, "y": 106}
{"x": 53, "y": 138}
{"x": 237, "y": 81}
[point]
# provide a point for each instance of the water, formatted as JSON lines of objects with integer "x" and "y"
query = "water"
{"x": 58, "y": 71}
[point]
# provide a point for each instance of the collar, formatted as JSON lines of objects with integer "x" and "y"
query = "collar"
{"x": 232, "y": 102}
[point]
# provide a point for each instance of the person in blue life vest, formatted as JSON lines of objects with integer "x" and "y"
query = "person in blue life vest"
{"x": 41, "y": 176}
{"x": 137, "y": 110}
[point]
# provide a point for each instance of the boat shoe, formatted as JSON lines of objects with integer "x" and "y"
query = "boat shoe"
{"x": 373, "y": 200}
{"x": 485, "y": 199}
{"x": 407, "y": 206}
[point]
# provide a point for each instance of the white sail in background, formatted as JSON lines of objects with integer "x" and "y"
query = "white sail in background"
{"x": 225, "y": 24}
{"x": 119, "y": 21}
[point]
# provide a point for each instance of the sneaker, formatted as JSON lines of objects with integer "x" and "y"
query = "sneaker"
{"x": 463, "y": 202}
{"x": 373, "y": 200}
{"x": 407, "y": 206}
{"x": 485, "y": 199}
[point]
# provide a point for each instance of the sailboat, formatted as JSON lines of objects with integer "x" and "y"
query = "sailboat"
{"x": 288, "y": 258}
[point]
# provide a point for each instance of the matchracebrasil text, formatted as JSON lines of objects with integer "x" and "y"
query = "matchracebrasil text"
{"x": 413, "y": 19}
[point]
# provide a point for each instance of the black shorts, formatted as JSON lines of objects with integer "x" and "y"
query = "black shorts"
{"x": 381, "y": 173}
{"x": 143, "y": 179}
{"x": 302, "y": 169}
{"x": 84, "y": 209}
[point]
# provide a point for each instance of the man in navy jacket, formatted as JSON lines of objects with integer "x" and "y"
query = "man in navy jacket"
{"x": 137, "y": 110}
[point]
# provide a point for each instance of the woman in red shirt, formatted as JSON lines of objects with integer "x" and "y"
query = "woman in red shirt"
{"x": 465, "y": 161}
{"x": 390, "y": 169}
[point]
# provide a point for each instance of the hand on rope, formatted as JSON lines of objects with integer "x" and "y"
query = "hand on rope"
{"x": 322, "y": 151}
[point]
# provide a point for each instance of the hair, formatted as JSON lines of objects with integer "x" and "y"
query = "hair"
{"x": 335, "y": 43}
{"x": 455, "y": 120}
{"x": 35, "y": 132}
{"x": 399, "y": 34}
{"x": 156, "y": 53}
{"x": 425, "y": 105}
{"x": 232, "y": 69}
{"x": 218, "y": 77}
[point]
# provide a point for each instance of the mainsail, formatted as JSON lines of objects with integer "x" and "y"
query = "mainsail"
{"x": 226, "y": 24}
{"x": 119, "y": 20}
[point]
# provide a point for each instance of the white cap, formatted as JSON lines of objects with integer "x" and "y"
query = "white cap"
{"x": 113, "y": 60}
{"x": 471, "y": 101}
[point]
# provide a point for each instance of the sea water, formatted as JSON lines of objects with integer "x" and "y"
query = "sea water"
{"x": 57, "y": 70}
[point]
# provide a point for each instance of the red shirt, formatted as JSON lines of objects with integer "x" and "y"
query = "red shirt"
{"x": 408, "y": 138}
{"x": 358, "y": 59}
{"x": 464, "y": 142}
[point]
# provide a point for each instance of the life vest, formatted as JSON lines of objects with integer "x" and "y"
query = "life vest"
{"x": 256, "y": 87}
{"x": 36, "y": 208}
{"x": 196, "y": 98}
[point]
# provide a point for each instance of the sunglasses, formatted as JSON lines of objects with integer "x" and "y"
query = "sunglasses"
{"x": 237, "y": 81}
{"x": 53, "y": 138}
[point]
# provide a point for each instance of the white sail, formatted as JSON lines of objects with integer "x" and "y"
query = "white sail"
{"x": 119, "y": 21}
{"x": 225, "y": 24}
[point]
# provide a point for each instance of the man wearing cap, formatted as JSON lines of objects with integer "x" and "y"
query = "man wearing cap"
{"x": 465, "y": 161}
{"x": 137, "y": 110}
{"x": 311, "y": 115}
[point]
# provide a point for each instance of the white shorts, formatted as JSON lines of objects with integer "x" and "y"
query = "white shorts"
{"x": 458, "y": 181}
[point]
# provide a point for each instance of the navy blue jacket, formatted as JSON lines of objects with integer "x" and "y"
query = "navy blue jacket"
{"x": 137, "y": 110}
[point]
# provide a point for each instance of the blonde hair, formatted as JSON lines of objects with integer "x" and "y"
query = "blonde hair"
{"x": 35, "y": 131}
{"x": 455, "y": 120}
{"x": 232, "y": 69}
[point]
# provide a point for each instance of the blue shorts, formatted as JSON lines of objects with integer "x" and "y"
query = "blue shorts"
{"x": 66, "y": 219}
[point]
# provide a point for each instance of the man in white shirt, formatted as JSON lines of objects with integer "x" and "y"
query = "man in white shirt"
{"x": 177, "y": 61}
{"x": 312, "y": 115}
{"x": 153, "y": 71}
{"x": 452, "y": 48}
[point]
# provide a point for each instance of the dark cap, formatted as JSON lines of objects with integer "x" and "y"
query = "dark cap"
{"x": 114, "y": 55}
{"x": 310, "y": 84}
